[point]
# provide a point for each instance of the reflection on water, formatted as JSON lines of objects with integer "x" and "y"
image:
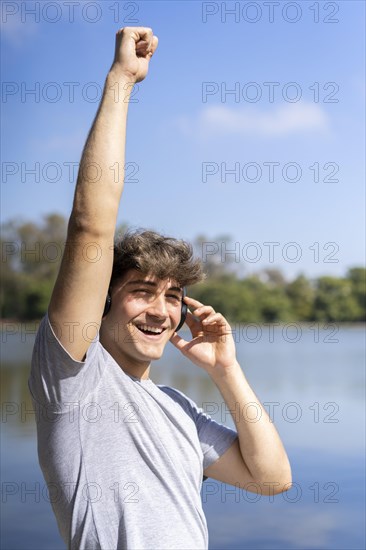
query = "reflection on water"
{"x": 313, "y": 388}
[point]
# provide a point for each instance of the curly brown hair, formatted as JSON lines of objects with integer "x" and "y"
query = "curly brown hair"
{"x": 157, "y": 255}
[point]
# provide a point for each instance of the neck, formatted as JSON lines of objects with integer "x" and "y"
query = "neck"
{"x": 138, "y": 371}
{"x": 130, "y": 365}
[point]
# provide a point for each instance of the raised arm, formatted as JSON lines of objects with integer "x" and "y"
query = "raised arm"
{"x": 78, "y": 299}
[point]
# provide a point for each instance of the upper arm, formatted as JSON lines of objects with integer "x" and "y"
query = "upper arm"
{"x": 78, "y": 298}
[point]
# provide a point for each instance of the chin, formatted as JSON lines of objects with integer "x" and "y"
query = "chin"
{"x": 152, "y": 354}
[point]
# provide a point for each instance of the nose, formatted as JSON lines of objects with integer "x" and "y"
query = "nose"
{"x": 157, "y": 308}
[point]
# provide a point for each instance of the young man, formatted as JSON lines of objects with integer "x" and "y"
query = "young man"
{"x": 124, "y": 459}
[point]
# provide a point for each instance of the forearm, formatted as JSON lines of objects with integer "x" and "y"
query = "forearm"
{"x": 260, "y": 445}
{"x": 101, "y": 173}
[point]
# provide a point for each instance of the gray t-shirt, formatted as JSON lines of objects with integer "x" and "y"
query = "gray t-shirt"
{"x": 123, "y": 458}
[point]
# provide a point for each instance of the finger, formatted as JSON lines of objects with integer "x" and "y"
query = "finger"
{"x": 144, "y": 42}
{"x": 203, "y": 312}
{"x": 217, "y": 320}
{"x": 191, "y": 301}
{"x": 178, "y": 342}
{"x": 197, "y": 306}
{"x": 191, "y": 321}
{"x": 145, "y": 33}
{"x": 143, "y": 47}
{"x": 206, "y": 314}
{"x": 137, "y": 33}
{"x": 212, "y": 318}
{"x": 136, "y": 40}
{"x": 147, "y": 49}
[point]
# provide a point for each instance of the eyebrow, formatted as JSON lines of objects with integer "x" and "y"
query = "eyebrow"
{"x": 152, "y": 284}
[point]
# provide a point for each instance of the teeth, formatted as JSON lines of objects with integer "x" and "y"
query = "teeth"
{"x": 156, "y": 330}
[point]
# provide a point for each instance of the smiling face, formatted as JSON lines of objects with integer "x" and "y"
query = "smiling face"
{"x": 144, "y": 314}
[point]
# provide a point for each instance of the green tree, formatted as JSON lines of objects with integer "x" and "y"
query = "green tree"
{"x": 31, "y": 255}
{"x": 32, "y": 252}
{"x": 357, "y": 278}
{"x": 301, "y": 294}
{"x": 334, "y": 300}
{"x": 275, "y": 305}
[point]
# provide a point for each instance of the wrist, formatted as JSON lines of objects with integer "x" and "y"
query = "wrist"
{"x": 120, "y": 85}
{"x": 222, "y": 373}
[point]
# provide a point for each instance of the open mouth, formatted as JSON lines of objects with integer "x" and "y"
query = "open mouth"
{"x": 149, "y": 330}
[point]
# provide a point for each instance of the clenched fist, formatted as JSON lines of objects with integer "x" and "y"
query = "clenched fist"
{"x": 134, "y": 49}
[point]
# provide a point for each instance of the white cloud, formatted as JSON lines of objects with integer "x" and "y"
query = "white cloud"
{"x": 292, "y": 118}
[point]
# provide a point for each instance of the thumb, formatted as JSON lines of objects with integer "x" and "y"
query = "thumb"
{"x": 154, "y": 44}
{"x": 178, "y": 342}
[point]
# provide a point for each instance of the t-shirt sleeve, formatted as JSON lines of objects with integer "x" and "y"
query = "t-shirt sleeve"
{"x": 215, "y": 438}
{"x": 55, "y": 376}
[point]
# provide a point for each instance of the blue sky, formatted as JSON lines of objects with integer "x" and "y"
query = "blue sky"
{"x": 277, "y": 165}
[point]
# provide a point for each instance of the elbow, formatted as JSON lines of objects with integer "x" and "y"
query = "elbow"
{"x": 284, "y": 482}
{"x": 280, "y": 481}
{"x": 285, "y": 474}
{"x": 94, "y": 216}
{"x": 270, "y": 488}
{"x": 84, "y": 224}
{"x": 284, "y": 486}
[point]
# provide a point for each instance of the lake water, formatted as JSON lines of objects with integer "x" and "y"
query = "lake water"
{"x": 311, "y": 379}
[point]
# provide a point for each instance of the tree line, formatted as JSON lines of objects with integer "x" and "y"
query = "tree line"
{"x": 32, "y": 252}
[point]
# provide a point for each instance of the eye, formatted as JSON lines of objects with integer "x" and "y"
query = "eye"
{"x": 174, "y": 298}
